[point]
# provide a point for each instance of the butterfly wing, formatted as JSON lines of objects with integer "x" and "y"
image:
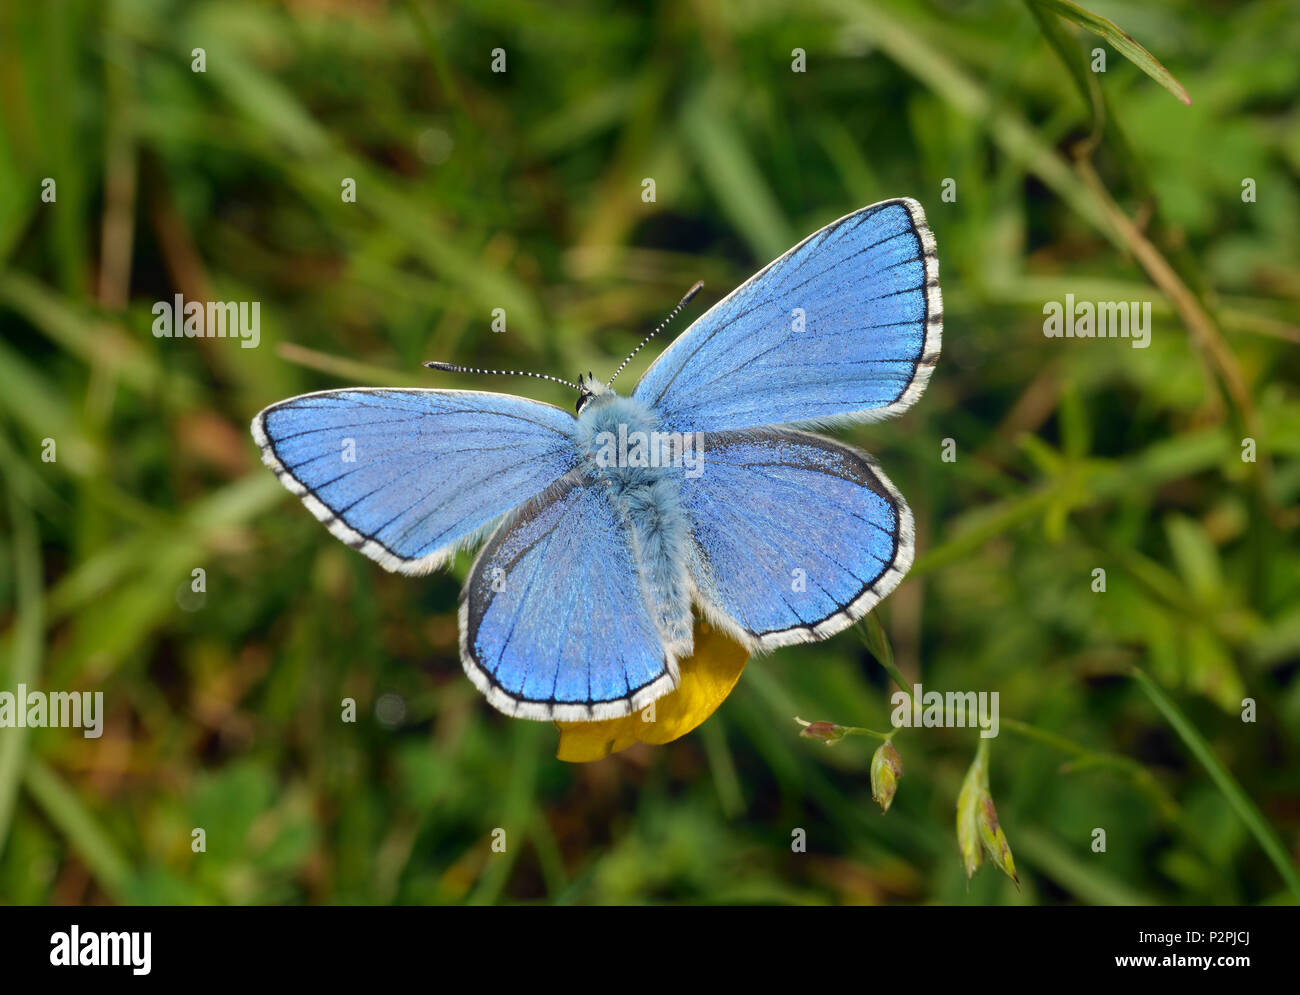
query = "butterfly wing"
{"x": 843, "y": 327}
{"x": 554, "y": 618}
{"x": 796, "y": 536}
{"x": 406, "y": 476}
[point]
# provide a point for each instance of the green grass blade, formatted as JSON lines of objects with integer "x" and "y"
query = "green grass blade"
{"x": 1222, "y": 777}
{"x": 25, "y": 661}
{"x": 66, "y": 811}
{"x": 1120, "y": 40}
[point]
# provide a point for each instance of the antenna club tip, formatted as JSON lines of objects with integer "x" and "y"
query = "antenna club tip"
{"x": 699, "y": 285}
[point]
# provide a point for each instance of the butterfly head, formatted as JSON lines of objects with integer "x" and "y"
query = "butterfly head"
{"x": 589, "y": 387}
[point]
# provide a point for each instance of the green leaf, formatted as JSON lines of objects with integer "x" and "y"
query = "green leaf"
{"x": 1197, "y": 559}
{"x": 873, "y": 634}
{"x": 1120, "y": 40}
{"x": 877, "y": 643}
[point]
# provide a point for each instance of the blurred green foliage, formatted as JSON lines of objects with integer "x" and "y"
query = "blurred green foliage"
{"x": 522, "y": 190}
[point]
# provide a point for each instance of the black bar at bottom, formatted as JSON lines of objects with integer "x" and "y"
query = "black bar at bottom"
{"x": 603, "y": 946}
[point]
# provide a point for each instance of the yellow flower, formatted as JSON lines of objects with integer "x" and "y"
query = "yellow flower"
{"x": 706, "y": 680}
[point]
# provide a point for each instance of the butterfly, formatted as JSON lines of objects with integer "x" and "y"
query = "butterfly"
{"x": 581, "y": 601}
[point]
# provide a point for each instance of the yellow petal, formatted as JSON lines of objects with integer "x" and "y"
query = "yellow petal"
{"x": 706, "y": 680}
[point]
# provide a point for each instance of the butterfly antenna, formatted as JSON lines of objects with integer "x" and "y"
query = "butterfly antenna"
{"x": 671, "y": 315}
{"x": 452, "y": 368}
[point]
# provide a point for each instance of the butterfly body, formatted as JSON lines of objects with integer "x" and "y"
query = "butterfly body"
{"x": 701, "y": 491}
{"x": 645, "y": 490}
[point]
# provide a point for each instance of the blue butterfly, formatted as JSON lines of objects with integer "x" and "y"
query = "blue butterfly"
{"x": 579, "y": 604}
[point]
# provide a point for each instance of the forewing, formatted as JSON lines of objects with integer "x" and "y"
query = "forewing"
{"x": 554, "y": 618}
{"x": 795, "y": 536}
{"x": 844, "y": 327}
{"x": 405, "y": 476}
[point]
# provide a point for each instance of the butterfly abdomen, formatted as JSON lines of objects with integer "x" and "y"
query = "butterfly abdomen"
{"x": 622, "y": 449}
